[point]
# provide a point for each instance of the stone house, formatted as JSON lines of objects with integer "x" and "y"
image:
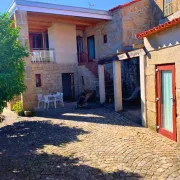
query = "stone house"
{"x": 65, "y": 43}
{"x": 60, "y": 59}
{"x": 162, "y": 44}
{"x": 159, "y": 68}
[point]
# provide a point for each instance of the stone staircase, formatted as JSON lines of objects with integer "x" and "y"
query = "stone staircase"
{"x": 91, "y": 65}
{"x": 90, "y": 79}
{"x": 88, "y": 70}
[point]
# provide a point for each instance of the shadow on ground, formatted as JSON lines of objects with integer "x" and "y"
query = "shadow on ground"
{"x": 21, "y": 161}
{"x": 94, "y": 113}
{"x": 2, "y": 118}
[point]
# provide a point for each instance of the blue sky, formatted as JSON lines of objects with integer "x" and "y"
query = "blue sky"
{"x": 98, "y": 4}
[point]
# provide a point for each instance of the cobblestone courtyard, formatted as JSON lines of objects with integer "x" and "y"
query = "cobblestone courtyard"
{"x": 84, "y": 144}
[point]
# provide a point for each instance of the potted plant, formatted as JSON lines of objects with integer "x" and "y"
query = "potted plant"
{"x": 17, "y": 107}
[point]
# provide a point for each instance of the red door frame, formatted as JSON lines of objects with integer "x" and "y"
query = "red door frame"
{"x": 171, "y": 67}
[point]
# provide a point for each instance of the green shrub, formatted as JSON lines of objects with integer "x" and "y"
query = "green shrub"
{"x": 12, "y": 64}
{"x": 17, "y": 107}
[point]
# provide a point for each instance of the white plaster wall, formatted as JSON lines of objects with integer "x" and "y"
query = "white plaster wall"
{"x": 62, "y": 37}
{"x": 164, "y": 39}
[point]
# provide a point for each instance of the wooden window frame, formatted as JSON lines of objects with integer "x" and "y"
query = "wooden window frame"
{"x": 44, "y": 43}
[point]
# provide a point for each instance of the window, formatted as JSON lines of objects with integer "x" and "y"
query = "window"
{"x": 39, "y": 40}
{"x": 83, "y": 80}
{"x": 38, "y": 80}
{"x": 105, "y": 38}
{"x": 168, "y": 8}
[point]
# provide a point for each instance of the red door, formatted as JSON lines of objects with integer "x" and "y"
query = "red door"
{"x": 166, "y": 101}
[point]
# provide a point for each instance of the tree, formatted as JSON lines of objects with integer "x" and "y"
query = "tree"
{"x": 12, "y": 53}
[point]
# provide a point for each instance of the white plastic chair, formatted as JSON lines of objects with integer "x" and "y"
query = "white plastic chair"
{"x": 36, "y": 56}
{"x": 59, "y": 98}
{"x": 40, "y": 99}
{"x": 44, "y": 55}
{"x": 49, "y": 99}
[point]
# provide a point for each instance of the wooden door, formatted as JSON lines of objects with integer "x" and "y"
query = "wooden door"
{"x": 166, "y": 101}
{"x": 68, "y": 86}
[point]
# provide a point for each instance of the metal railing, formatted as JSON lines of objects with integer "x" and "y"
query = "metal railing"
{"x": 42, "y": 55}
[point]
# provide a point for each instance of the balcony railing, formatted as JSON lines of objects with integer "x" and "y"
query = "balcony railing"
{"x": 42, "y": 55}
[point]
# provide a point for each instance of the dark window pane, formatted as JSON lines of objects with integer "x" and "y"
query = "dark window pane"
{"x": 36, "y": 41}
{"x": 38, "y": 80}
{"x": 105, "y": 38}
{"x": 46, "y": 41}
{"x": 39, "y": 41}
{"x": 83, "y": 80}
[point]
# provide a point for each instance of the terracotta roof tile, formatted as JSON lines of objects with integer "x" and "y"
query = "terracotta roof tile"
{"x": 159, "y": 28}
{"x": 124, "y": 5}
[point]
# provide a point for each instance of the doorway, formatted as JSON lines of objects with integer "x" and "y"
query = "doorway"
{"x": 166, "y": 100}
{"x": 91, "y": 47}
{"x": 68, "y": 86}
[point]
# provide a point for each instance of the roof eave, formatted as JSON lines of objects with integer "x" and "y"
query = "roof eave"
{"x": 59, "y": 10}
{"x": 158, "y": 29}
{"x": 12, "y": 8}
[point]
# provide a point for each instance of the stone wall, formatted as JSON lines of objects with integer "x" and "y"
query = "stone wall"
{"x": 20, "y": 18}
{"x": 90, "y": 81}
{"x": 113, "y": 29}
{"x": 121, "y": 31}
{"x": 51, "y": 78}
{"x": 136, "y": 18}
{"x": 162, "y": 49}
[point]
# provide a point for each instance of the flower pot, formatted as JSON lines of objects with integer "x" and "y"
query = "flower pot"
{"x": 28, "y": 113}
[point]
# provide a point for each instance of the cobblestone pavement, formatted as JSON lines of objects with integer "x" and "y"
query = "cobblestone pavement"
{"x": 84, "y": 144}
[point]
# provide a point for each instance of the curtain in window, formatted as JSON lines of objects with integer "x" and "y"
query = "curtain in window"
{"x": 166, "y": 100}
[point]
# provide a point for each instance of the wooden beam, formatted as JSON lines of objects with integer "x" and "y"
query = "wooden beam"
{"x": 80, "y": 27}
{"x": 38, "y": 27}
{"x": 61, "y": 19}
{"x": 37, "y": 30}
{"x": 41, "y": 23}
